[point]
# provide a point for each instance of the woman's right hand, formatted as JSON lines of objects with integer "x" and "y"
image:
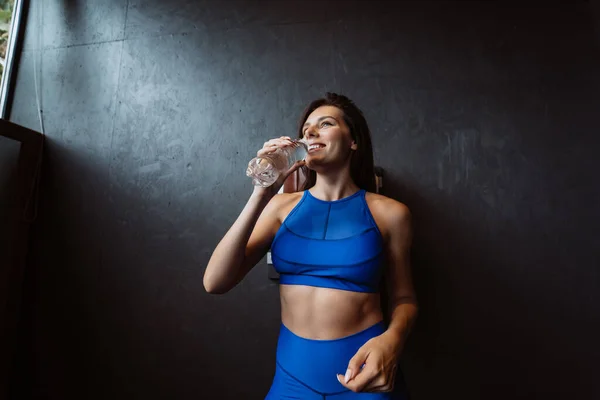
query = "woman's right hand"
{"x": 268, "y": 148}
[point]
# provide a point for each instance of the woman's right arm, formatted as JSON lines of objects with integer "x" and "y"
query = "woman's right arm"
{"x": 246, "y": 242}
{"x": 250, "y": 236}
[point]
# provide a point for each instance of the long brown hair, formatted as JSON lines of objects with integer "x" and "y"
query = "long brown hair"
{"x": 361, "y": 162}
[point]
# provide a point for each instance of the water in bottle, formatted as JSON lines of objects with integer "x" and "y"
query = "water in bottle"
{"x": 265, "y": 170}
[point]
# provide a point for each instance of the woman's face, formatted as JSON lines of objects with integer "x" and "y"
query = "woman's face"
{"x": 329, "y": 138}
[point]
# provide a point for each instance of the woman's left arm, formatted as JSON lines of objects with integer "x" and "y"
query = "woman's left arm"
{"x": 373, "y": 368}
{"x": 403, "y": 301}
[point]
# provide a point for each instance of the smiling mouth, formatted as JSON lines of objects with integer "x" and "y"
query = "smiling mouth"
{"x": 314, "y": 148}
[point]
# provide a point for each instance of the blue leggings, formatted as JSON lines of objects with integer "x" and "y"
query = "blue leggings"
{"x": 306, "y": 369}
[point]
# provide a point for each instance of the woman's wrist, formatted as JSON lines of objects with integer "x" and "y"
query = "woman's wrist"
{"x": 262, "y": 195}
{"x": 396, "y": 339}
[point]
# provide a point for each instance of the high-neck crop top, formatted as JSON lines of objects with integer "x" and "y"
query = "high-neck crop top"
{"x": 330, "y": 244}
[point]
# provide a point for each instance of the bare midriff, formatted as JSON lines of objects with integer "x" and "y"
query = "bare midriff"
{"x": 325, "y": 314}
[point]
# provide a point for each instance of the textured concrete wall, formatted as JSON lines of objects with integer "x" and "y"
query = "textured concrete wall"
{"x": 484, "y": 118}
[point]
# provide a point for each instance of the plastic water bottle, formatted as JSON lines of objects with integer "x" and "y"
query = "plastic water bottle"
{"x": 265, "y": 170}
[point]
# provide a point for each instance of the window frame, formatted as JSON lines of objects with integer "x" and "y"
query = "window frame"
{"x": 13, "y": 36}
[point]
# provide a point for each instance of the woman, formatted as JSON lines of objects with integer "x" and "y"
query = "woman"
{"x": 332, "y": 243}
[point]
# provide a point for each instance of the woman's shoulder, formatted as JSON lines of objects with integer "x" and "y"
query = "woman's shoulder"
{"x": 384, "y": 202}
{"x": 386, "y": 209}
{"x": 283, "y": 198}
{"x": 285, "y": 202}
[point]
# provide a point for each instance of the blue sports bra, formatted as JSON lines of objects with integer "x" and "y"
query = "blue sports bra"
{"x": 331, "y": 244}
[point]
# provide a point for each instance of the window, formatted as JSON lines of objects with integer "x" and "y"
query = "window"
{"x": 10, "y": 13}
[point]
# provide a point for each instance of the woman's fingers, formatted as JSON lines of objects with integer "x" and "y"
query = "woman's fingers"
{"x": 297, "y": 165}
{"x": 274, "y": 144}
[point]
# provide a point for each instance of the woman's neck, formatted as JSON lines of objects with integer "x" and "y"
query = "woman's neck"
{"x": 332, "y": 189}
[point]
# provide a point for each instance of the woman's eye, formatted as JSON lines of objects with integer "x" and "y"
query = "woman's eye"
{"x": 326, "y": 123}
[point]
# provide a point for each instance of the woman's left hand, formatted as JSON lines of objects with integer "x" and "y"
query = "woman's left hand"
{"x": 373, "y": 367}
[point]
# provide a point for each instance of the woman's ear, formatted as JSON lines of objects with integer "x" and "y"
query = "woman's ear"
{"x": 354, "y": 146}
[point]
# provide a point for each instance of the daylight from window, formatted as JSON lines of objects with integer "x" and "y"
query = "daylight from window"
{"x": 6, "y": 13}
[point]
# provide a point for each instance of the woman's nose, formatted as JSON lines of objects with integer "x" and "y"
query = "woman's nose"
{"x": 311, "y": 132}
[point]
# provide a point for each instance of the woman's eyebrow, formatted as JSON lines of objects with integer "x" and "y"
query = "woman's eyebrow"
{"x": 320, "y": 119}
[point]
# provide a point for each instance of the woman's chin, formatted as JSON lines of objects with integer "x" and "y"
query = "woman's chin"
{"x": 312, "y": 164}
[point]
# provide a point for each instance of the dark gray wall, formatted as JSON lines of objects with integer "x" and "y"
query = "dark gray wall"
{"x": 595, "y": 7}
{"x": 9, "y": 229}
{"x": 9, "y": 224}
{"x": 484, "y": 118}
{"x": 9, "y": 159}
